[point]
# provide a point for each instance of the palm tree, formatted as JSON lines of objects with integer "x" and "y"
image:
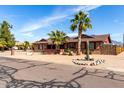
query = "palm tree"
{"x": 81, "y": 22}
{"x": 58, "y": 38}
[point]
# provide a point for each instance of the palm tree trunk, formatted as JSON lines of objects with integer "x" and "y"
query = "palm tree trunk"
{"x": 79, "y": 42}
{"x": 57, "y": 49}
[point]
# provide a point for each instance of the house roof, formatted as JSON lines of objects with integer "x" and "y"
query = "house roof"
{"x": 91, "y": 38}
{"x": 84, "y": 38}
{"x": 44, "y": 41}
{"x": 102, "y": 37}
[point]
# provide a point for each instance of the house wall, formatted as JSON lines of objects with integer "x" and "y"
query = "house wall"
{"x": 97, "y": 46}
{"x": 35, "y": 47}
{"x": 107, "y": 41}
{"x": 94, "y": 48}
{"x": 71, "y": 45}
{"x": 39, "y": 47}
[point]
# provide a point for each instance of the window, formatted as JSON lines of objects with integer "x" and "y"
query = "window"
{"x": 91, "y": 45}
{"x": 71, "y": 45}
{"x": 61, "y": 46}
{"x": 38, "y": 46}
{"x": 97, "y": 45}
{"x": 48, "y": 46}
{"x": 51, "y": 47}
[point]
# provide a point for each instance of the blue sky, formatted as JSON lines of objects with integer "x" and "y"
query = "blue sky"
{"x": 34, "y": 22}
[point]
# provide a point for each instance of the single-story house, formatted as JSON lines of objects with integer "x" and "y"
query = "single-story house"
{"x": 95, "y": 41}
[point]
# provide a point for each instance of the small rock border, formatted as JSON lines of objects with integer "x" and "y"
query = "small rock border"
{"x": 94, "y": 63}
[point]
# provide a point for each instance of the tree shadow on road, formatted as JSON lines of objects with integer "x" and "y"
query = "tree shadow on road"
{"x": 6, "y": 74}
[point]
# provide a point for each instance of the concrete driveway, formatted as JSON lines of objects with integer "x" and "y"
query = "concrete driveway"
{"x": 28, "y": 73}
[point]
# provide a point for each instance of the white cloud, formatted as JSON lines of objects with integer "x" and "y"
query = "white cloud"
{"x": 30, "y": 28}
{"x": 9, "y": 15}
{"x": 41, "y": 23}
{"x": 28, "y": 34}
{"x": 44, "y": 22}
{"x": 72, "y": 34}
{"x": 85, "y": 8}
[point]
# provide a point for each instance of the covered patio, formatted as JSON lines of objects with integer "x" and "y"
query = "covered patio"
{"x": 95, "y": 42}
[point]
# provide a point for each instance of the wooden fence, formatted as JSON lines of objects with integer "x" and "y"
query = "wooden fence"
{"x": 111, "y": 49}
{"x": 119, "y": 50}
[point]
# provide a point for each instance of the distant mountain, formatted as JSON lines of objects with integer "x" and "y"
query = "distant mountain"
{"x": 116, "y": 43}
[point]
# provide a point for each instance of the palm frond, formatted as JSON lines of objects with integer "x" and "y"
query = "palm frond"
{"x": 73, "y": 27}
{"x": 58, "y": 37}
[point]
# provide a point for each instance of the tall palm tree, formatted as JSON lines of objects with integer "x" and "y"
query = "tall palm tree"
{"x": 58, "y": 38}
{"x": 82, "y": 22}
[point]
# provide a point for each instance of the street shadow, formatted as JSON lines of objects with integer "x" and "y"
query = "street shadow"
{"x": 7, "y": 72}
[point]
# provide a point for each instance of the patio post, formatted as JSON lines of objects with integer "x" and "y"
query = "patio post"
{"x": 87, "y": 55}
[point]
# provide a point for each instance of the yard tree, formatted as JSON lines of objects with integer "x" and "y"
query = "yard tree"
{"x": 80, "y": 22}
{"x": 26, "y": 45}
{"x": 2, "y": 44}
{"x": 6, "y": 38}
